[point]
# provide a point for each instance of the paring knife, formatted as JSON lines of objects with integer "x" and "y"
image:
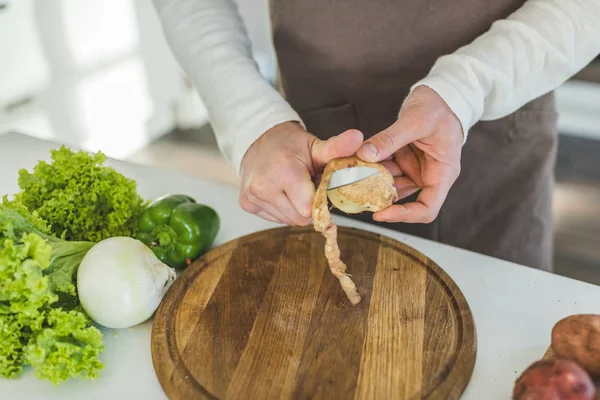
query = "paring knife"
{"x": 348, "y": 176}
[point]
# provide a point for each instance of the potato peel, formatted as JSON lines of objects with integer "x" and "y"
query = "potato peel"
{"x": 372, "y": 194}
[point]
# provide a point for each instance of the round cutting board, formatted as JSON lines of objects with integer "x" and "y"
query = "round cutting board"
{"x": 262, "y": 317}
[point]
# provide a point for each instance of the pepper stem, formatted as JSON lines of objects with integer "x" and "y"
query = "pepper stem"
{"x": 163, "y": 236}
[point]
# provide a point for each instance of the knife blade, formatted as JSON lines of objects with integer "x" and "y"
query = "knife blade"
{"x": 348, "y": 176}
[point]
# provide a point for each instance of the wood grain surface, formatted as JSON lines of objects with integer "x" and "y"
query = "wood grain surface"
{"x": 262, "y": 317}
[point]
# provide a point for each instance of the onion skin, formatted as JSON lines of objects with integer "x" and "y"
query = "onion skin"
{"x": 555, "y": 379}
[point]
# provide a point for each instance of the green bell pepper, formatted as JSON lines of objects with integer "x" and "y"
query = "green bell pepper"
{"x": 177, "y": 229}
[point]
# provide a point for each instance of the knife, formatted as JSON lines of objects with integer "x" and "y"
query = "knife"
{"x": 348, "y": 176}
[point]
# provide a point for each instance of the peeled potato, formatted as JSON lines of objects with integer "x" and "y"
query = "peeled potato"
{"x": 374, "y": 193}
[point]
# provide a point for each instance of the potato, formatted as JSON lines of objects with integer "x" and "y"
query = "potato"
{"x": 374, "y": 193}
{"x": 577, "y": 338}
{"x": 555, "y": 379}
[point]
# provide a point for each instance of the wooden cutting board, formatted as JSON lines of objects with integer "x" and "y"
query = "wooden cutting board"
{"x": 262, "y": 317}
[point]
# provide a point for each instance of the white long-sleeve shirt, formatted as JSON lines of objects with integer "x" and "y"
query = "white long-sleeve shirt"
{"x": 520, "y": 58}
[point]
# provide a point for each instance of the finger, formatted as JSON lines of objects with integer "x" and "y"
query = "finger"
{"x": 393, "y": 167}
{"x": 252, "y": 208}
{"x": 301, "y": 193}
{"x": 275, "y": 212}
{"x": 247, "y": 205}
{"x": 265, "y": 215}
{"x": 342, "y": 145}
{"x": 256, "y": 209}
{"x": 424, "y": 210}
{"x": 405, "y": 186}
{"x": 405, "y": 130}
{"x": 270, "y": 209}
{"x": 285, "y": 207}
{"x": 409, "y": 163}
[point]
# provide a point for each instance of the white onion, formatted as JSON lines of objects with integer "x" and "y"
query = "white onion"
{"x": 121, "y": 282}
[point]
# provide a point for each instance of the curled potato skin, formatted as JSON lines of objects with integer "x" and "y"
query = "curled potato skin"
{"x": 323, "y": 223}
{"x": 555, "y": 379}
{"x": 577, "y": 338}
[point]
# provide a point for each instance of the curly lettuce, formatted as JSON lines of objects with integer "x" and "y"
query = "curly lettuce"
{"x": 23, "y": 287}
{"x": 67, "y": 347}
{"x": 80, "y": 197}
{"x": 31, "y": 219}
{"x": 65, "y": 256}
{"x": 58, "y": 344}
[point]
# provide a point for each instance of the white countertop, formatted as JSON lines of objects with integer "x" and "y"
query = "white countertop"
{"x": 514, "y": 306}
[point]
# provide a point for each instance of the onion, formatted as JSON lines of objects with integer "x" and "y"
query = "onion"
{"x": 121, "y": 282}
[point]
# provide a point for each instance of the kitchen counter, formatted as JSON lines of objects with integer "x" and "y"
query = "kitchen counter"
{"x": 514, "y": 306}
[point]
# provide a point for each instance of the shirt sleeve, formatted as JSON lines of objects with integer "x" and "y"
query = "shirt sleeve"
{"x": 528, "y": 54}
{"x": 209, "y": 40}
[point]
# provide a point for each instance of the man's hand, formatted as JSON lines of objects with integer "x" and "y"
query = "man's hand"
{"x": 422, "y": 150}
{"x": 277, "y": 170}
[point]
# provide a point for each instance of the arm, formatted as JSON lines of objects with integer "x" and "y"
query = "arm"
{"x": 210, "y": 43}
{"x": 252, "y": 122}
{"x": 520, "y": 58}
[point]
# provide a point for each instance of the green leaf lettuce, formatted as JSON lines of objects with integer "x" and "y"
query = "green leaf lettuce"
{"x": 57, "y": 343}
{"x": 80, "y": 197}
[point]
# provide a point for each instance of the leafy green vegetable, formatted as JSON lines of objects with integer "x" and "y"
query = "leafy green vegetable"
{"x": 32, "y": 218}
{"x": 80, "y": 197}
{"x": 58, "y": 344}
{"x": 67, "y": 348}
{"x": 23, "y": 287}
{"x": 65, "y": 256}
{"x": 23, "y": 291}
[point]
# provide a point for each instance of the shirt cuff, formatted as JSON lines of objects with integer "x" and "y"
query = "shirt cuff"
{"x": 455, "y": 100}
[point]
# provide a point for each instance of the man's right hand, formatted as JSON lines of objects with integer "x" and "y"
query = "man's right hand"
{"x": 277, "y": 171}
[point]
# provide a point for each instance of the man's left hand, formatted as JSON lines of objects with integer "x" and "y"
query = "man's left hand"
{"x": 422, "y": 150}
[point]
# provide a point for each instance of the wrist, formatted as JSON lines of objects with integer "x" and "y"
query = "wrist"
{"x": 284, "y": 127}
{"x": 281, "y": 129}
{"x": 453, "y": 99}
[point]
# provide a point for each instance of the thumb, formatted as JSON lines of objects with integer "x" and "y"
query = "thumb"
{"x": 342, "y": 145}
{"x": 405, "y": 130}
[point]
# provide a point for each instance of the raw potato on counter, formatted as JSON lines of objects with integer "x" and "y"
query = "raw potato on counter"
{"x": 375, "y": 193}
{"x": 567, "y": 370}
{"x": 554, "y": 380}
{"x": 577, "y": 337}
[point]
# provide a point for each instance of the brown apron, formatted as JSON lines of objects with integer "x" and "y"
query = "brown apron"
{"x": 350, "y": 64}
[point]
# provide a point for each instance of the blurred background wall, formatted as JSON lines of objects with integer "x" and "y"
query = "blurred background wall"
{"x": 98, "y": 73}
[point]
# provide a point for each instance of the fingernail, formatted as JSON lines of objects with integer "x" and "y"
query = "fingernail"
{"x": 369, "y": 151}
